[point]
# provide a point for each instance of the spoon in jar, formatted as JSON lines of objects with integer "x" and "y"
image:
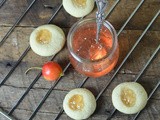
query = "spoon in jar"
{"x": 101, "y": 5}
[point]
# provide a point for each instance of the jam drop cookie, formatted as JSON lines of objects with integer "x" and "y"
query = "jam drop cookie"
{"x": 78, "y": 8}
{"x": 129, "y": 97}
{"x": 79, "y": 103}
{"x": 47, "y": 40}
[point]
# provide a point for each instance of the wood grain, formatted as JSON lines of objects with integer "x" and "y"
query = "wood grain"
{"x": 17, "y": 42}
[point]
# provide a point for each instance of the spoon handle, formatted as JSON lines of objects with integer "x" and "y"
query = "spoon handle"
{"x": 101, "y": 5}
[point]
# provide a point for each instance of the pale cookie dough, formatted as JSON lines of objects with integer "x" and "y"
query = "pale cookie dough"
{"x": 129, "y": 97}
{"x": 78, "y": 8}
{"x": 79, "y": 103}
{"x": 47, "y": 40}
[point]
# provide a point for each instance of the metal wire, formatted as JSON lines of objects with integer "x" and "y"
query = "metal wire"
{"x": 37, "y": 77}
{"x": 3, "y": 115}
{"x": 55, "y": 13}
{"x": 16, "y": 23}
{"x": 139, "y": 75}
{"x": 2, "y": 2}
{"x": 146, "y": 65}
{"x": 112, "y": 8}
{"x": 6, "y": 116}
{"x": 139, "y": 5}
{"x": 14, "y": 67}
{"x": 24, "y": 94}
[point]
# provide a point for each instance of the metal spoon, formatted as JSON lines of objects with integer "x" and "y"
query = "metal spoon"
{"x": 101, "y": 5}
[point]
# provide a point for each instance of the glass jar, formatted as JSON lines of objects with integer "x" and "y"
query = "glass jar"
{"x": 88, "y": 57}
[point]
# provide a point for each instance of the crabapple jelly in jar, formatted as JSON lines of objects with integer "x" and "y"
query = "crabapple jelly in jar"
{"x": 88, "y": 57}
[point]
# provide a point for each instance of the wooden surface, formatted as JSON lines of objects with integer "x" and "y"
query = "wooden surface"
{"x": 17, "y": 42}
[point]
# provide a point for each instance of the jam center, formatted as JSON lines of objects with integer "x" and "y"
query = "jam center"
{"x": 76, "y": 102}
{"x": 79, "y": 3}
{"x": 128, "y": 97}
{"x": 44, "y": 36}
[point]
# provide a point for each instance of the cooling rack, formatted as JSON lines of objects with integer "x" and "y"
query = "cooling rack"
{"x": 9, "y": 116}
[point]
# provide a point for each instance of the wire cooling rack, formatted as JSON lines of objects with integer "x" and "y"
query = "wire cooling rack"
{"x": 9, "y": 114}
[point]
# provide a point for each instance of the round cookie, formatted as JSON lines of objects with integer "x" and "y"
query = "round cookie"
{"x": 129, "y": 97}
{"x": 78, "y": 8}
{"x": 47, "y": 40}
{"x": 79, "y": 103}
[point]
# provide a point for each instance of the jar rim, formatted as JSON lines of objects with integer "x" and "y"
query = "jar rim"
{"x": 78, "y": 24}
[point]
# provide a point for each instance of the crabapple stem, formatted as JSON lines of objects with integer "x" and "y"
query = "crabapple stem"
{"x": 62, "y": 74}
{"x": 31, "y": 68}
